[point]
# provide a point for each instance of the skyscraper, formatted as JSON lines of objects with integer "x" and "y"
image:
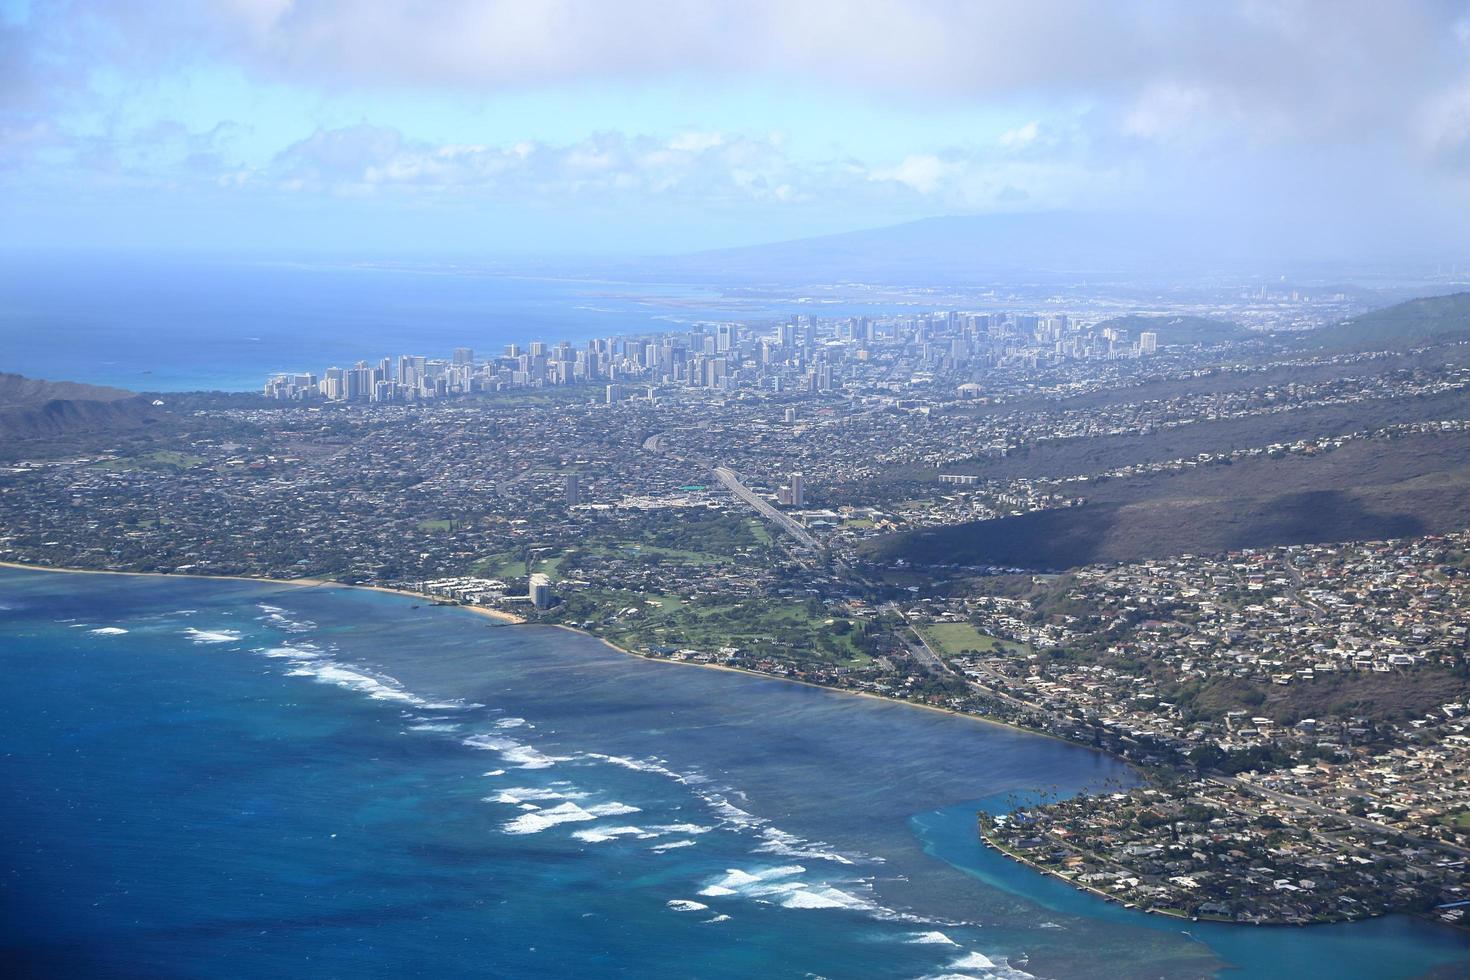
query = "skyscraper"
{"x": 539, "y": 590}
{"x": 798, "y": 490}
{"x": 573, "y": 490}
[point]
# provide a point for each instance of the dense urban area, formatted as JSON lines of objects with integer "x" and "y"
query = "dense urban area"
{"x": 1227, "y": 544}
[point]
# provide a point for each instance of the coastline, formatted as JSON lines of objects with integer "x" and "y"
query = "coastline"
{"x": 1082, "y": 886}
{"x": 512, "y": 619}
{"x": 506, "y": 618}
{"x": 302, "y": 583}
{"x": 836, "y": 690}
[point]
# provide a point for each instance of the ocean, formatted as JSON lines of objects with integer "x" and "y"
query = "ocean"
{"x": 151, "y": 323}
{"x": 208, "y": 778}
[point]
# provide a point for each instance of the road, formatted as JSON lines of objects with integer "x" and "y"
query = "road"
{"x": 731, "y": 480}
{"x": 922, "y": 651}
{"x": 1324, "y": 811}
{"x": 1312, "y": 608}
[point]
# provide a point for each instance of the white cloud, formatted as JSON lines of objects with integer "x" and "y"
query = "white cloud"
{"x": 1021, "y": 135}
{"x": 373, "y": 159}
{"x": 1112, "y": 104}
{"x": 1170, "y": 111}
{"x": 696, "y": 169}
{"x": 1444, "y": 129}
{"x": 921, "y": 172}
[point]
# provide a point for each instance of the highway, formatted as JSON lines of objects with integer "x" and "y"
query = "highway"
{"x": 731, "y": 480}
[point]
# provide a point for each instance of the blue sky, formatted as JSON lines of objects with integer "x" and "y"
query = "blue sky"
{"x": 646, "y": 126}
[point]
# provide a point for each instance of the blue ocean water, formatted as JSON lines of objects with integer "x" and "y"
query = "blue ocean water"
{"x": 233, "y": 779}
{"x": 171, "y": 324}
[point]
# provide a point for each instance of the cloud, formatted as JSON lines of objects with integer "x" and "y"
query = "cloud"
{"x": 699, "y": 168}
{"x": 1282, "y": 106}
{"x": 1021, "y": 135}
{"x": 1323, "y": 63}
{"x": 696, "y": 170}
{"x": 1444, "y": 130}
{"x": 709, "y": 167}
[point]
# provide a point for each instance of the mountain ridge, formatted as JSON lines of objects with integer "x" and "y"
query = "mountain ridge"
{"x": 34, "y": 408}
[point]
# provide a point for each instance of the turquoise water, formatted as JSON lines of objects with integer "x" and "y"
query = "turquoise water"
{"x": 264, "y": 781}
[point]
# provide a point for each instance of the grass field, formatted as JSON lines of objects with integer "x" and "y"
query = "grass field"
{"x": 162, "y": 459}
{"x": 758, "y": 529}
{"x": 783, "y": 630}
{"x": 502, "y": 566}
{"x": 635, "y": 550}
{"x": 950, "y": 639}
{"x": 1460, "y": 821}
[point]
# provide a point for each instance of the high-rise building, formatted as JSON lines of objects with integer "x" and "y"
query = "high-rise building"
{"x": 798, "y": 490}
{"x": 1148, "y": 342}
{"x": 573, "y": 490}
{"x": 539, "y": 590}
{"x": 715, "y": 370}
{"x": 334, "y": 384}
{"x": 464, "y": 356}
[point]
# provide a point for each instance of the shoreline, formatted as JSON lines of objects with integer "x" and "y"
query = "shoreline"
{"x": 836, "y": 690}
{"x": 510, "y": 619}
{"x": 1080, "y": 886}
{"x": 1044, "y": 871}
{"x": 506, "y": 618}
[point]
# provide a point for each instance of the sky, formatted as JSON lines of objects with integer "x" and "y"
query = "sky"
{"x": 620, "y": 127}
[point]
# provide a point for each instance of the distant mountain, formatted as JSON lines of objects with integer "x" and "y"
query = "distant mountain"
{"x": 1404, "y": 325}
{"x": 16, "y": 390}
{"x": 1178, "y": 330}
{"x": 31, "y": 408}
{"x": 968, "y": 249}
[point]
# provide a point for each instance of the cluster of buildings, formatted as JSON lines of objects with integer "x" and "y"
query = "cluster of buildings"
{"x": 1319, "y": 691}
{"x": 1210, "y": 850}
{"x": 804, "y": 353}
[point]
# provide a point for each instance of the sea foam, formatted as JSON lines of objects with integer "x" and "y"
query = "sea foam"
{"x": 516, "y": 752}
{"x": 212, "y": 636}
{"x": 597, "y": 835}
{"x": 377, "y": 688}
{"x": 569, "y": 812}
{"x": 781, "y": 843}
